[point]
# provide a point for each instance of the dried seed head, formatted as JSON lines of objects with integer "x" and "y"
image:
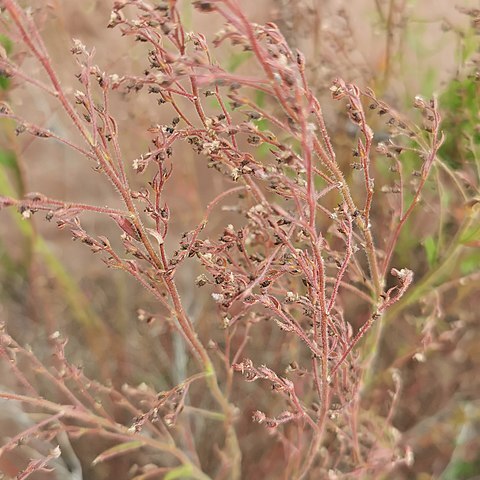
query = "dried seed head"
{"x": 252, "y": 115}
{"x": 78, "y": 47}
{"x": 167, "y": 27}
{"x": 201, "y": 280}
{"x": 25, "y": 212}
{"x": 235, "y": 174}
{"x": 291, "y": 297}
{"x": 20, "y": 129}
{"x": 204, "y": 6}
{"x": 116, "y": 17}
{"x": 420, "y": 102}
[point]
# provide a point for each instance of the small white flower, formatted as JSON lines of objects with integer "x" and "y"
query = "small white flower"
{"x": 210, "y": 147}
{"x": 218, "y": 297}
{"x": 26, "y": 213}
{"x": 234, "y": 174}
{"x": 419, "y": 357}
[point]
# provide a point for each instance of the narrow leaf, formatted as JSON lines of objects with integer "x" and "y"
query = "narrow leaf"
{"x": 179, "y": 472}
{"x": 156, "y": 235}
{"x": 117, "y": 450}
{"x": 127, "y": 226}
{"x": 8, "y": 159}
{"x": 430, "y": 250}
{"x": 471, "y": 236}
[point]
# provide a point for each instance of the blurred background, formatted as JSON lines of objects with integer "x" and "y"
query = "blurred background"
{"x": 399, "y": 49}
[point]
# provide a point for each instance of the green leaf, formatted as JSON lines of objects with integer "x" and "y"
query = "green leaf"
{"x": 461, "y": 470}
{"x": 429, "y": 82}
{"x": 236, "y": 60}
{"x": 181, "y": 471}
{"x": 470, "y": 46}
{"x": 8, "y": 158}
{"x": 431, "y": 250}
{"x": 460, "y": 105}
{"x": 471, "y": 263}
{"x": 6, "y": 43}
{"x": 262, "y": 124}
{"x": 4, "y": 82}
{"x": 260, "y": 98}
{"x": 263, "y": 150}
{"x": 117, "y": 450}
{"x": 471, "y": 235}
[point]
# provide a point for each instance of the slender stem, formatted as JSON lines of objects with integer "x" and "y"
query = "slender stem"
{"x": 108, "y": 428}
